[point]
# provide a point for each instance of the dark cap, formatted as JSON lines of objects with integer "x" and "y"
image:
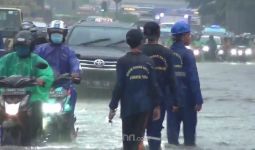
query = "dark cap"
{"x": 151, "y": 30}
{"x": 134, "y": 38}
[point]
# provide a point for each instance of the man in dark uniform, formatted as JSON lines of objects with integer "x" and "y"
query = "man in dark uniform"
{"x": 190, "y": 101}
{"x": 138, "y": 92}
{"x": 166, "y": 78}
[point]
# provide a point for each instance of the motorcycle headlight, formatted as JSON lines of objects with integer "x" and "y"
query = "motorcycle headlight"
{"x": 51, "y": 108}
{"x": 196, "y": 52}
{"x": 12, "y": 109}
{"x": 206, "y": 48}
{"x": 240, "y": 52}
{"x": 248, "y": 51}
{"x": 221, "y": 52}
{"x": 233, "y": 52}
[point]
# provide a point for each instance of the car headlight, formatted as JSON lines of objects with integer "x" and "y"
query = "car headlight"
{"x": 206, "y": 48}
{"x": 240, "y": 52}
{"x": 220, "y": 52}
{"x": 196, "y": 52}
{"x": 233, "y": 52}
{"x": 51, "y": 108}
{"x": 12, "y": 109}
{"x": 248, "y": 51}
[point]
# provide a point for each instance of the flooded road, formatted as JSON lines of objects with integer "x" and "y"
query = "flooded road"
{"x": 227, "y": 120}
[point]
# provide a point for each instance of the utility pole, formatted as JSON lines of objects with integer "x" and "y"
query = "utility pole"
{"x": 117, "y": 7}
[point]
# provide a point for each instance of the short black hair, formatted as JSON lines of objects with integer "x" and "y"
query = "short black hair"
{"x": 151, "y": 31}
{"x": 134, "y": 38}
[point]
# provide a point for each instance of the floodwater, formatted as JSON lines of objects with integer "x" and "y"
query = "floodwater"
{"x": 227, "y": 121}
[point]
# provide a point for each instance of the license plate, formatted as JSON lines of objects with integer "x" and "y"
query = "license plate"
{"x": 16, "y": 91}
{"x": 58, "y": 94}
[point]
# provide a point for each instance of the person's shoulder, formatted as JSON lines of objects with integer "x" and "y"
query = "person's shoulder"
{"x": 8, "y": 55}
{"x": 146, "y": 59}
{"x": 65, "y": 46}
{"x": 34, "y": 55}
{"x": 42, "y": 47}
{"x": 189, "y": 54}
{"x": 122, "y": 58}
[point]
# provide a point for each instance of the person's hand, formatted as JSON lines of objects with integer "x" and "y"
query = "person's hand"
{"x": 76, "y": 78}
{"x": 156, "y": 113}
{"x": 40, "y": 82}
{"x": 175, "y": 108}
{"x": 112, "y": 113}
{"x": 198, "y": 107}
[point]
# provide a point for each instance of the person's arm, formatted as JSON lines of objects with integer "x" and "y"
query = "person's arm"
{"x": 3, "y": 65}
{"x": 155, "y": 90}
{"x": 74, "y": 63}
{"x": 171, "y": 78}
{"x": 119, "y": 86}
{"x": 193, "y": 78}
{"x": 46, "y": 75}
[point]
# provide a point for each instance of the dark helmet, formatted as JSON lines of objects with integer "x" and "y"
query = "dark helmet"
{"x": 151, "y": 30}
{"x": 41, "y": 37}
{"x": 24, "y": 38}
{"x": 134, "y": 38}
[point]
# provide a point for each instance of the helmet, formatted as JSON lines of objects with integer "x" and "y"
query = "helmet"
{"x": 41, "y": 37}
{"x": 151, "y": 30}
{"x": 23, "y": 38}
{"x": 180, "y": 28}
{"x": 57, "y": 26}
{"x": 23, "y": 44}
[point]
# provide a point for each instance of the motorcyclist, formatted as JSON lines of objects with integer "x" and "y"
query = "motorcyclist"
{"x": 212, "y": 47}
{"x": 190, "y": 101}
{"x": 60, "y": 57}
{"x": 196, "y": 43}
{"x": 162, "y": 58}
{"x": 22, "y": 62}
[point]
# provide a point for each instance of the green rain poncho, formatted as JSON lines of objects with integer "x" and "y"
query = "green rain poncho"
{"x": 11, "y": 64}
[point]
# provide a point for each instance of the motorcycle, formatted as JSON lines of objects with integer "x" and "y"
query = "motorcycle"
{"x": 15, "y": 109}
{"x": 58, "y": 119}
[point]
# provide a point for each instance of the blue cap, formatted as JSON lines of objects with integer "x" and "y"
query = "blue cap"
{"x": 180, "y": 27}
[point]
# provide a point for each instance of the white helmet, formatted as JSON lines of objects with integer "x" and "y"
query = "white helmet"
{"x": 57, "y": 26}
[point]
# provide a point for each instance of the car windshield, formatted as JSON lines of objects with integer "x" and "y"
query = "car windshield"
{"x": 98, "y": 36}
{"x": 241, "y": 42}
{"x": 9, "y": 19}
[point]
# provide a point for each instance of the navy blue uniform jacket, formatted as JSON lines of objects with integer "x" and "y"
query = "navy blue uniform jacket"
{"x": 136, "y": 87}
